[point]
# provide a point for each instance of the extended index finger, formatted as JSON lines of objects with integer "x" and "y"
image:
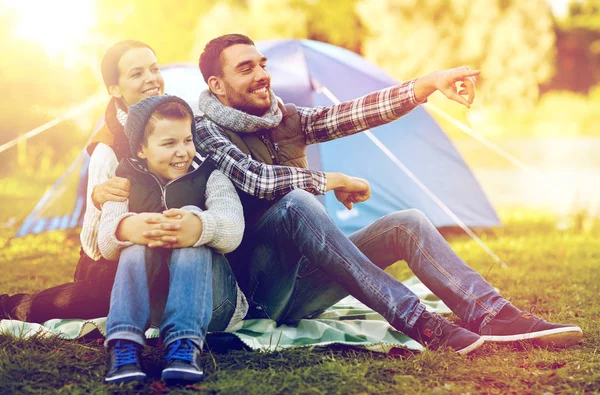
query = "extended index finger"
{"x": 460, "y": 73}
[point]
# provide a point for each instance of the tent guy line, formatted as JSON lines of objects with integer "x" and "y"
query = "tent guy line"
{"x": 320, "y": 88}
{"x": 469, "y": 131}
{"x": 94, "y": 100}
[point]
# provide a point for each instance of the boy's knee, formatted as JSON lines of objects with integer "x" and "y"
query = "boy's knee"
{"x": 192, "y": 255}
{"x": 191, "y": 207}
{"x": 134, "y": 250}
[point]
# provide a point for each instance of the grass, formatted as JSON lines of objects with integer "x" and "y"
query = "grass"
{"x": 556, "y": 270}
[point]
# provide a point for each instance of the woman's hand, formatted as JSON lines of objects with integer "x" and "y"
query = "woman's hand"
{"x": 115, "y": 189}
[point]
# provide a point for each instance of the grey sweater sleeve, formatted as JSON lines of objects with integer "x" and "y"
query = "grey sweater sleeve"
{"x": 223, "y": 220}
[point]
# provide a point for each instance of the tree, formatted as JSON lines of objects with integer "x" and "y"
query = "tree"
{"x": 512, "y": 42}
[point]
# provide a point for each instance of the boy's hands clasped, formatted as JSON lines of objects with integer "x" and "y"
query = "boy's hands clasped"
{"x": 174, "y": 228}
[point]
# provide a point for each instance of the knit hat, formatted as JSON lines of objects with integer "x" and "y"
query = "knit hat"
{"x": 140, "y": 113}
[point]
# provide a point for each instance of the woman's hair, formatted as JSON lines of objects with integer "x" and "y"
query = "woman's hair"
{"x": 110, "y": 62}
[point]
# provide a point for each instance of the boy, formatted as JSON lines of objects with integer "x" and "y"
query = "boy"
{"x": 164, "y": 175}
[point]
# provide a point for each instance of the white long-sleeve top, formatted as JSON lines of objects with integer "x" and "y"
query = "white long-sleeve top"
{"x": 102, "y": 167}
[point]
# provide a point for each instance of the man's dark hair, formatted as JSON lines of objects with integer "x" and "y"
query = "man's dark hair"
{"x": 210, "y": 59}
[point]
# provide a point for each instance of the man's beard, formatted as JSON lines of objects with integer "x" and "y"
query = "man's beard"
{"x": 240, "y": 102}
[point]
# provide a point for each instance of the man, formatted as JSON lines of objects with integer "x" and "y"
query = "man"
{"x": 294, "y": 262}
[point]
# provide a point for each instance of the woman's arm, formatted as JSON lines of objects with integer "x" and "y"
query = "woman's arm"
{"x": 103, "y": 164}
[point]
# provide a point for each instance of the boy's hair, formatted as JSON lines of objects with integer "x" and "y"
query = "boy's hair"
{"x": 142, "y": 118}
{"x": 110, "y": 61}
{"x": 169, "y": 110}
{"x": 210, "y": 59}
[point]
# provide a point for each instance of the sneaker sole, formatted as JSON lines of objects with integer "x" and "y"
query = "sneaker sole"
{"x": 125, "y": 378}
{"x": 559, "y": 337}
{"x": 471, "y": 347}
{"x": 173, "y": 375}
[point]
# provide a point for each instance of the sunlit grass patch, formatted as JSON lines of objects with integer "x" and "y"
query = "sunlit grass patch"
{"x": 554, "y": 268}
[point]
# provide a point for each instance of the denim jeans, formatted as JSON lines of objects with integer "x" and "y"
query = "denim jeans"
{"x": 301, "y": 263}
{"x": 189, "y": 303}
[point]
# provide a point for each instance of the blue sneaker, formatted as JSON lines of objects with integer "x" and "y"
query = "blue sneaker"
{"x": 124, "y": 362}
{"x": 182, "y": 363}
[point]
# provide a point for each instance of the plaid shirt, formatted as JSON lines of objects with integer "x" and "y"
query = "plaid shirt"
{"x": 319, "y": 124}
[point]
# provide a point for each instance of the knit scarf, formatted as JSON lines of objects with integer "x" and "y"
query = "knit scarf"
{"x": 236, "y": 120}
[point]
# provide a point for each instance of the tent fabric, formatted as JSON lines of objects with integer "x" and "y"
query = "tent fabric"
{"x": 298, "y": 67}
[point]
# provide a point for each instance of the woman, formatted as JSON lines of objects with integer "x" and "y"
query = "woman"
{"x": 131, "y": 73}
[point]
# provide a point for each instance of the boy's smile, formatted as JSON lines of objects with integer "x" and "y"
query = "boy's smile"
{"x": 169, "y": 150}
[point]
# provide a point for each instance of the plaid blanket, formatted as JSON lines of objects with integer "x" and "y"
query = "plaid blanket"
{"x": 348, "y": 322}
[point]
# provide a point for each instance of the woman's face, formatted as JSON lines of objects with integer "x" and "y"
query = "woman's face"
{"x": 139, "y": 77}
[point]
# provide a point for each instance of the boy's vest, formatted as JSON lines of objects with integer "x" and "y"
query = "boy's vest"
{"x": 147, "y": 194}
{"x": 284, "y": 145}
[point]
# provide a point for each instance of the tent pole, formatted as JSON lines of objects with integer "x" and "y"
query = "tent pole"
{"x": 323, "y": 89}
{"x": 92, "y": 101}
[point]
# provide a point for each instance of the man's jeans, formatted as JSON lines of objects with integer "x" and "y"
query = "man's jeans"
{"x": 301, "y": 263}
{"x": 188, "y": 306}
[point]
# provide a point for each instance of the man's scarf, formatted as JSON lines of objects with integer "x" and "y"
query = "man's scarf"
{"x": 236, "y": 120}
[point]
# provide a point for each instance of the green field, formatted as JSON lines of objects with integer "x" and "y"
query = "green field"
{"x": 555, "y": 270}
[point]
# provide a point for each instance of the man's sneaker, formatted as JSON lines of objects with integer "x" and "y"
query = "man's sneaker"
{"x": 182, "y": 363}
{"x": 512, "y": 324}
{"x": 435, "y": 332}
{"x": 124, "y": 362}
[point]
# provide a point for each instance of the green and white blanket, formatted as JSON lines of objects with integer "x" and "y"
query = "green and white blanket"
{"x": 348, "y": 322}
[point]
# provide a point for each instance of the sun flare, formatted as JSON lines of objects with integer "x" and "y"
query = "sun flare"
{"x": 60, "y": 26}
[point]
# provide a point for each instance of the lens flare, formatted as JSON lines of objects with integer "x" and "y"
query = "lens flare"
{"x": 60, "y": 26}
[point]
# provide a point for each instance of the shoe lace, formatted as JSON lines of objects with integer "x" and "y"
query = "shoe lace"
{"x": 125, "y": 354}
{"x": 438, "y": 325}
{"x": 532, "y": 310}
{"x": 182, "y": 350}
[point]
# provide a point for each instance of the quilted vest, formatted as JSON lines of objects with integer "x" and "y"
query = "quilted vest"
{"x": 148, "y": 195}
{"x": 284, "y": 145}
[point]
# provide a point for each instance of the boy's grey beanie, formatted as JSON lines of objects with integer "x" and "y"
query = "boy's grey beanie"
{"x": 139, "y": 114}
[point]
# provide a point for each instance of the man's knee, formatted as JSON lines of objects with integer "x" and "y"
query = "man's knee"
{"x": 301, "y": 200}
{"x": 410, "y": 218}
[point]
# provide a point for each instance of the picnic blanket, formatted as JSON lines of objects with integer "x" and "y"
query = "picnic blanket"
{"x": 349, "y": 322}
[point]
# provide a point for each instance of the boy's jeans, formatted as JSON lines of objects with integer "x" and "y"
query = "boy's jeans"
{"x": 189, "y": 304}
{"x": 301, "y": 263}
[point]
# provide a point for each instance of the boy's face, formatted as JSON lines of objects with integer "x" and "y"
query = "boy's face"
{"x": 170, "y": 149}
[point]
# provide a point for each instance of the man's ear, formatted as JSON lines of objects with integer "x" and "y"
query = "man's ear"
{"x": 115, "y": 91}
{"x": 140, "y": 153}
{"x": 216, "y": 86}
